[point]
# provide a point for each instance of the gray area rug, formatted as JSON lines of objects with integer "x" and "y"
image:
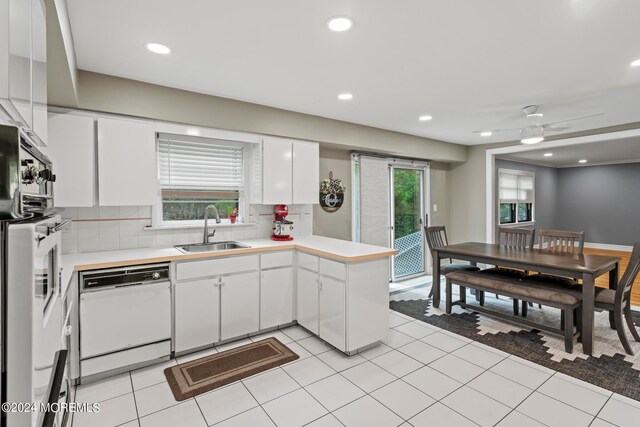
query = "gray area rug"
{"x": 609, "y": 367}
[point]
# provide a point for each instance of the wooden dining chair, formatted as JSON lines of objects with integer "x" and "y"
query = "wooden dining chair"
{"x": 518, "y": 237}
{"x": 512, "y": 237}
{"x": 557, "y": 241}
{"x": 562, "y": 241}
{"x": 436, "y": 237}
{"x": 618, "y": 300}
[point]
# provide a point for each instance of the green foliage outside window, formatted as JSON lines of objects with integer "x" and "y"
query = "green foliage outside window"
{"x": 407, "y": 199}
{"x": 190, "y": 205}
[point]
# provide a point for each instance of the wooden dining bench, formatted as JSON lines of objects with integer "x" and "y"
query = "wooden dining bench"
{"x": 537, "y": 292}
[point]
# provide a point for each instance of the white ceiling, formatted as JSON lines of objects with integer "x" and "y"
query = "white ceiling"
{"x": 626, "y": 150}
{"x": 470, "y": 64}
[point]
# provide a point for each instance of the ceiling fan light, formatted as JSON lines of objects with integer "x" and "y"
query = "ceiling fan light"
{"x": 532, "y": 135}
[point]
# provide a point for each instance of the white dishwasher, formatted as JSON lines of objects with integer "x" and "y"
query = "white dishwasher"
{"x": 125, "y": 318}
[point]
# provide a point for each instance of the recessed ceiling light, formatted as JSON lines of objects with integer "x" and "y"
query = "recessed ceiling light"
{"x": 339, "y": 23}
{"x": 425, "y": 118}
{"x": 548, "y": 154}
{"x": 582, "y": 161}
{"x": 636, "y": 63}
{"x": 486, "y": 133}
{"x": 345, "y": 96}
{"x": 158, "y": 48}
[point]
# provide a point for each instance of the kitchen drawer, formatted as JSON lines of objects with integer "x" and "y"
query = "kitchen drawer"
{"x": 334, "y": 269}
{"x": 277, "y": 259}
{"x": 147, "y": 353}
{"x": 310, "y": 262}
{"x": 216, "y": 267}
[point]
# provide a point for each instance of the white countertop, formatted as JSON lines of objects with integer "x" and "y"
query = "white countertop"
{"x": 340, "y": 250}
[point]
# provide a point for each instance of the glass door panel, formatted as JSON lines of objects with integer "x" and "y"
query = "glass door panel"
{"x": 407, "y": 212}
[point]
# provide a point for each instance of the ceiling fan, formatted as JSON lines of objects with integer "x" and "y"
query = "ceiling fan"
{"x": 533, "y": 131}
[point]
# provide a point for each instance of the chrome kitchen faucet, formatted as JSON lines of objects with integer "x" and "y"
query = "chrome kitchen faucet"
{"x": 206, "y": 236}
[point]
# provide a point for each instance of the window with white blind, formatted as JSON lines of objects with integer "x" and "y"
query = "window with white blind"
{"x": 516, "y": 191}
{"x": 197, "y": 172}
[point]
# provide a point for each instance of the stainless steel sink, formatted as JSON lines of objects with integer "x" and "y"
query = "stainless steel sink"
{"x": 211, "y": 247}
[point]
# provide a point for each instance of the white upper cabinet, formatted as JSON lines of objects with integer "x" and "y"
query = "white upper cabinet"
{"x": 126, "y": 162}
{"x": 306, "y": 172}
{"x": 290, "y": 171}
{"x": 23, "y": 66}
{"x": 39, "y": 70}
{"x": 72, "y": 150}
{"x": 277, "y": 171}
{"x": 15, "y": 61}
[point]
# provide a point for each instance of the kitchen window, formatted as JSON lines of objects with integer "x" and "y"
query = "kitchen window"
{"x": 516, "y": 191}
{"x": 196, "y": 172}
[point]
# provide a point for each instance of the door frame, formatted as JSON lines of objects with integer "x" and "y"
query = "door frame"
{"x": 424, "y": 213}
{"x": 490, "y": 167}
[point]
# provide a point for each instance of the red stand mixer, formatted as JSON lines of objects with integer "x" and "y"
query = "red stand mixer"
{"x": 281, "y": 226}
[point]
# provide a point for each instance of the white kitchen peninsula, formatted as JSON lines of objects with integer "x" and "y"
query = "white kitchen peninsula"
{"x": 336, "y": 289}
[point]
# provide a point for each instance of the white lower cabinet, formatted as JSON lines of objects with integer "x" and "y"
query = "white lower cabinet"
{"x": 322, "y": 306}
{"x": 239, "y": 305}
{"x": 322, "y": 303}
{"x": 345, "y": 304}
{"x": 332, "y": 312}
{"x": 224, "y": 305}
{"x": 276, "y": 297}
{"x": 308, "y": 298}
{"x": 197, "y": 309}
{"x": 328, "y": 290}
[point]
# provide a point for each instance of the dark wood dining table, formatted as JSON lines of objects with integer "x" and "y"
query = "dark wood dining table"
{"x": 586, "y": 267}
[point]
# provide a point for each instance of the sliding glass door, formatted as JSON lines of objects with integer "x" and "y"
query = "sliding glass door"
{"x": 390, "y": 199}
{"x": 407, "y": 194}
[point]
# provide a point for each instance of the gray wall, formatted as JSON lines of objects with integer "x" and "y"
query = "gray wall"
{"x": 468, "y": 189}
{"x": 546, "y": 181}
{"x": 440, "y": 186}
{"x": 338, "y": 224}
{"x": 109, "y": 94}
{"x": 467, "y": 204}
{"x": 604, "y": 201}
{"x": 335, "y": 224}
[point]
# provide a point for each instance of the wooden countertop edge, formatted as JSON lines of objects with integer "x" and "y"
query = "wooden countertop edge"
{"x": 346, "y": 259}
{"x": 204, "y": 255}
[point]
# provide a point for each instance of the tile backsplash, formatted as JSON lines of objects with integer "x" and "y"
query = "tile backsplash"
{"x": 109, "y": 228}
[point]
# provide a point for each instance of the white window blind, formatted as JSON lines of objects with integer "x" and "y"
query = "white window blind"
{"x": 199, "y": 163}
{"x": 508, "y": 187}
{"x": 525, "y": 188}
{"x": 516, "y": 187}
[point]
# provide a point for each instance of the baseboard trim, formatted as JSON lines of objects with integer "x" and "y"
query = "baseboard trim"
{"x": 604, "y": 246}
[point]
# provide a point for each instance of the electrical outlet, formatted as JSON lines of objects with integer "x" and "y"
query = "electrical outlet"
{"x": 435, "y": 207}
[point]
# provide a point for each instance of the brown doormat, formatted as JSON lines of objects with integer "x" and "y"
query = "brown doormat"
{"x": 207, "y": 373}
